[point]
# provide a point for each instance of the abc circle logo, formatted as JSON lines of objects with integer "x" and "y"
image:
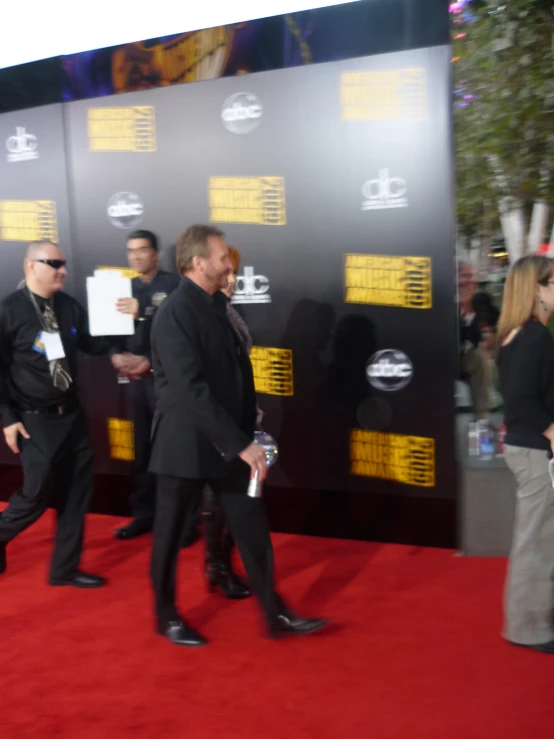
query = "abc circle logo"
{"x": 251, "y": 288}
{"x": 389, "y": 370}
{"x": 22, "y": 147}
{"x": 242, "y": 112}
{"x": 384, "y": 192}
{"x": 125, "y": 210}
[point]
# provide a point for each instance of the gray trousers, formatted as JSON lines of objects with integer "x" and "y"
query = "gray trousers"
{"x": 529, "y": 595}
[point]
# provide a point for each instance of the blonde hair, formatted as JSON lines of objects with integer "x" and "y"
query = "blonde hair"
{"x": 520, "y": 292}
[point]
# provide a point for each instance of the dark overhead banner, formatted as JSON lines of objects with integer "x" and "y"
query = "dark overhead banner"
{"x": 295, "y": 39}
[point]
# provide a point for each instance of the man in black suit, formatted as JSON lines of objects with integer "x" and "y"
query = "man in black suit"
{"x": 202, "y": 434}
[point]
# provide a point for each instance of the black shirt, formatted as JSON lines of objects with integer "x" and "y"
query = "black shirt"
{"x": 526, "y": 371}
{"x": 218, "y": 302}
{"x": 150, "y": 296}
{"x": 25, "y": 379}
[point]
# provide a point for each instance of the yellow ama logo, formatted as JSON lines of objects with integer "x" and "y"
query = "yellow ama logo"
{"x": 406, "y": 459}
{"x": 124, "y": 271}
{"x": 273, "y": 372}
{"x": 258, "y": 200}
{"x": 28, "y": 220}
{"x": 122, "y": 129}
{"x": 121, "y": 437}
{"x": 401, "y": 282}
{"x": 384, "y": 95}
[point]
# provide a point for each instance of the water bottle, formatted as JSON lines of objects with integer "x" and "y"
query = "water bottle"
{"x": 473, "y": 443}
{"x": 486, "y": 441}
{"x": 254, "y": 486}
{"x": 269, "y": 445}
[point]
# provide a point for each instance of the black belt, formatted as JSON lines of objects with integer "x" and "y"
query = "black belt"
{"x": 54, "y": 410}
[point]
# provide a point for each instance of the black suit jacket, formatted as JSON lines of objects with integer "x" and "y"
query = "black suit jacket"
{"x": 206, "y": 401}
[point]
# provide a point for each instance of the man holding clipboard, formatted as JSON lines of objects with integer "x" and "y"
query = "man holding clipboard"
{"x": 41, "y": 330}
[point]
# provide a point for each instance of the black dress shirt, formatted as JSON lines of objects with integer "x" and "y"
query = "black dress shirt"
{"x": 526, "y": 373}
{"x": 25, "y": 379}
{"x": 219, "y": 303}
{"x": 150, "y": 296}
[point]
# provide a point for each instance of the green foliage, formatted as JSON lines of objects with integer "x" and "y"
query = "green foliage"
{"x": 504, "y": 134}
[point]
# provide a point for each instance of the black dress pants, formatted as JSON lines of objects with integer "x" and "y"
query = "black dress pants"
{"x": 144, "y": 483}
{"x": 57, "y": 468}
{"x": 176, "y": 500}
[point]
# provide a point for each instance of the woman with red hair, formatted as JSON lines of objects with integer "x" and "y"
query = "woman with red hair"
{"x": 219, "y": 542}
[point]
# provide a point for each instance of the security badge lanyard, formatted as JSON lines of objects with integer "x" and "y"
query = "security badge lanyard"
{"x": 47, "y": 342}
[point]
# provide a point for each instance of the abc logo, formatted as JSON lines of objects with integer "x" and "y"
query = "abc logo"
{"x": 241, "y": 113}
{"x": 21, "y": 142}
{"x": 389, "y": 370}
{"x": 22, "y": 147}
{"x": 251, "y": 288}
{"x": 125, "y": 210}
{"x": 384, "y": 192}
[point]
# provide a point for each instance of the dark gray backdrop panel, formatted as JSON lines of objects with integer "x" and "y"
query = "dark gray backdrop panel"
{"x": 325, "y": 162}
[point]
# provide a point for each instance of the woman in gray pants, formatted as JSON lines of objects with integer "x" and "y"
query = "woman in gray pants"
{"x": 526, "y": 371}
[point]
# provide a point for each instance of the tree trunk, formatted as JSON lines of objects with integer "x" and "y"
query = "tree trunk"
{"x": 512, "y": 221}
{"x": 539, "y": 224}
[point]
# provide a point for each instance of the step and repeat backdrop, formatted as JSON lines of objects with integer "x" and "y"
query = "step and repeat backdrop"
{"x": 335, "y": 181}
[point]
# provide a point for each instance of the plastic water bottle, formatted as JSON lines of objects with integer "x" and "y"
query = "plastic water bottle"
{"x": 269, "y": 445}
{"x": 255, "y": 487}
{"x": 473, "y": 440}
{"x": 486, "y": 441}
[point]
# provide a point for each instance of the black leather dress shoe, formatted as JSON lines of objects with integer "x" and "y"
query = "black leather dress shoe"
{"x": 180, "y": 634}
{"x": 137, "y": 527}
{"x": 291, "y": 625}
{"x": 221, "y": 576}
{"x": 80, "y": 580}
{"x": 3, "y": 561}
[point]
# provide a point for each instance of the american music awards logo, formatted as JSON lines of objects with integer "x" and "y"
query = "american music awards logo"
{"x": 22, "y": 147}
{"x": 251, "y": 288}
{"x": 384, "y": 192}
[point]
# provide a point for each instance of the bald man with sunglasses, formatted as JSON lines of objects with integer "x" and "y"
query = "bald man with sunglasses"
{"x": 41, "y": 331}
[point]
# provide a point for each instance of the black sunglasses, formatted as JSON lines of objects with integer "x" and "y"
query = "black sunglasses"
{"x": 54, "y": 263}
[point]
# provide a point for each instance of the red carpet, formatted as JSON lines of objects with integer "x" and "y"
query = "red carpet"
{"x": 414, "y": 652}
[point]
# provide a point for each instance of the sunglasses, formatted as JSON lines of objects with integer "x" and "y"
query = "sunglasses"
{"x": 54, "y": 263}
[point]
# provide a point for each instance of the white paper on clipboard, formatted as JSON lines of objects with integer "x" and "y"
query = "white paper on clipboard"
{"x": 103, "y": 291}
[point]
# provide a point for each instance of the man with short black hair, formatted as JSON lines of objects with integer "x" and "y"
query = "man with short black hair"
{"x": 203, "y": 434}
{"x": 41, "y": 330}
{"x": 132, "y": 359}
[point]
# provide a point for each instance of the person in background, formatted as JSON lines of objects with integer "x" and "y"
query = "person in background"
{"x": 526, "y": 372}
{"x": 206, "y": 404}
{"x": 219, "y": 541}
{"x": 477, "y": 319}
{"x": 132, "y": 359}
{"x": 41, "y": 330}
